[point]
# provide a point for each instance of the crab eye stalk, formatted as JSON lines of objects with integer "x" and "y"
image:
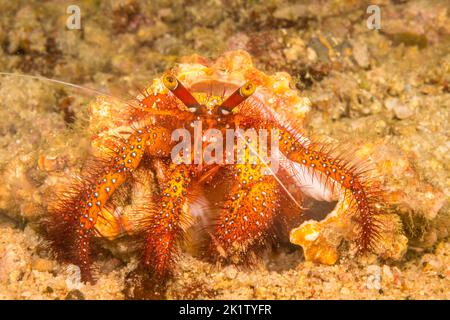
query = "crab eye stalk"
{"x": 237, "y": 97}
{"x": 177, "y": 88}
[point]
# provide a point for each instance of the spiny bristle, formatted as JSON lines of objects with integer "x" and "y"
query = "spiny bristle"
{"x": 61, "y": 225}
{"x": 74, "y": 214}
{"x": 164, "y": 228}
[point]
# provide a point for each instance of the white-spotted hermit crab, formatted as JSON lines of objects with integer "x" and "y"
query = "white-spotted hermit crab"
{"x": 240, "y": 204}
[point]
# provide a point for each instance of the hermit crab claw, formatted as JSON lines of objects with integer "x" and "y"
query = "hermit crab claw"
{"x": 237, "y": 97}
{"x": 180, "y": 91}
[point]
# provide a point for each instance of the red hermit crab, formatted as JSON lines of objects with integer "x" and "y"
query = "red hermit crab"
{"x": 186, "y": 129}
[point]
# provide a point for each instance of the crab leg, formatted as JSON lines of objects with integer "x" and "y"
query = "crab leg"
{"x": 245, "y": 219}
{"x": 75, "y": 213}
{"x": 128, "y": 158}
{"x": 167, "y": 224}
{"x": 249, "y": 211}
{"x": 338, "y": 171}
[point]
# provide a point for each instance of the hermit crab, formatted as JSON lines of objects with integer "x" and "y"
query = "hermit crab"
{"x": 226, "y": 145}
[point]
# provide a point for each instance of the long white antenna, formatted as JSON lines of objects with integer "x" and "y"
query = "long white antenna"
{"x": 73, "y": 85}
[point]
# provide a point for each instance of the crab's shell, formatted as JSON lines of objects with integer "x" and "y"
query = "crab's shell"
{"x": 232, "y": 70}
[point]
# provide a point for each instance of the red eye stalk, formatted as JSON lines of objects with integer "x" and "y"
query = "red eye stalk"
{"x": 238, "y": 96}
{"x": 177, "y": 88}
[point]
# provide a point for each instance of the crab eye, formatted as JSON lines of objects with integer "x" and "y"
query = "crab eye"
{"x": 170, "y": 82}
{"x": 247, "y": 89}
{"x": 238, "y": 96}
{"x": 177, "y": 88}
